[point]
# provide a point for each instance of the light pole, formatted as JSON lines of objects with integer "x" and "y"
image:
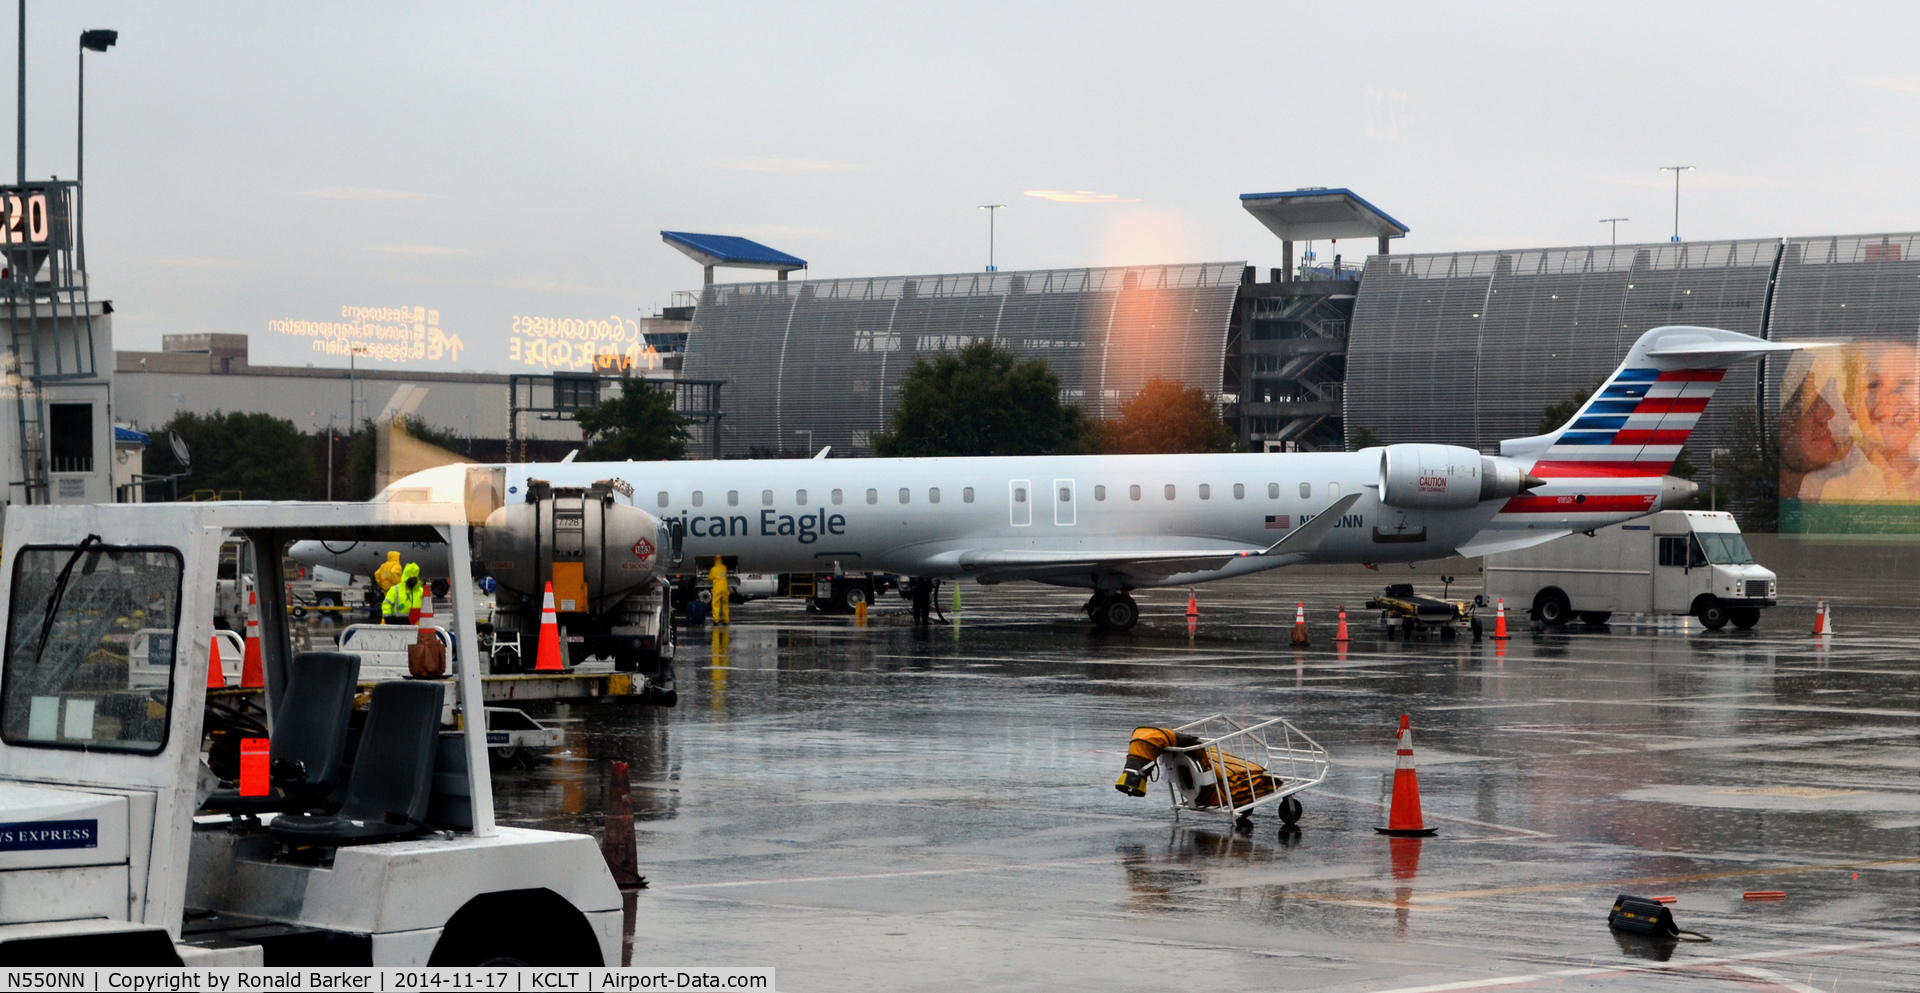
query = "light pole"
{"x": 331, "y": 417}
{"x": 96, "y": 40}
{"x": 20, "y": 116}
{"x": 1676, "y": 170}
{"x": 809, "y": 433}
{"x": 353, "y": 389}
{"x": 1615, "y": 221}
{"x": 990, "y": 208}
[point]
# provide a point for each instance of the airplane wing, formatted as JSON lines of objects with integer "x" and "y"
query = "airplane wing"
{"x": 993, "y": 566}
{"x": 1495, "y": 542}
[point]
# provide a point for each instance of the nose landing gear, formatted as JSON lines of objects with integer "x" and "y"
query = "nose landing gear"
{"x": 1113, "y": 611}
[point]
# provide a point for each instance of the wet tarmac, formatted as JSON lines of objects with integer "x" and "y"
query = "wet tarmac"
{"x": 886, "y": 808}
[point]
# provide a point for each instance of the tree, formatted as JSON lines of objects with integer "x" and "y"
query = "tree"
{"x": 982, "y": 401}
{"x": 639, "y": 425}
{"x": 1363, "y": 437}
{"x": 1166, "y": 417}
{"x": 261, "y": 456}
{"x": 1560, "y": 412}
{"x": 1749, "y": 474}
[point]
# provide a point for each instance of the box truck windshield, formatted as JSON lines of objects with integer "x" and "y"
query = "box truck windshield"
{"x": 1725, "y": 549}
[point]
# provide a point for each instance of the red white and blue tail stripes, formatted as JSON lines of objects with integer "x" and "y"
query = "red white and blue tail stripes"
{"x": 1634, "y": 426}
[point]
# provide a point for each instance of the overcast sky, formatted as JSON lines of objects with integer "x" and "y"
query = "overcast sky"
{"x": 254, "y": 162}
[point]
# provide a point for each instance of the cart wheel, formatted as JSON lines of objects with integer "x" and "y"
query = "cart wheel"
{"x": 299, "y": 612}
{"x": 1243, "y": 824}
{"x": 1290, "y": 811}
{"x": 1478, "y": 629}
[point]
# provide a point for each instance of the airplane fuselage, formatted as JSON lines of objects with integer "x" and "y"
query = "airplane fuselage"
{"x": 919, "y": 517}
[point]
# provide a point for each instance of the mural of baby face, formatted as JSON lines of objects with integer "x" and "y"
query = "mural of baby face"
{"x": 1888, "y": 406}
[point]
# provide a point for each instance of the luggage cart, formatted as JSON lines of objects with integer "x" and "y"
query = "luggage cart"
{"x": 1235, "y": 765}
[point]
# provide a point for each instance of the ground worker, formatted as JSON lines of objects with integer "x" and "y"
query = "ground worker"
{"x": 389, "y": 572}
{"x": 718, "y": 576}
{"x": 404, "y": 598}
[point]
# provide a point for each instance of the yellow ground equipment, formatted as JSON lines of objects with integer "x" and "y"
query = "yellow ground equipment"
{"x": 1226, "y": 764}
{"x": 1409, "y": 613}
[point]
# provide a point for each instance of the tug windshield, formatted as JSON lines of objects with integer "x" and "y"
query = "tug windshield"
{"x": 90, "y": 647}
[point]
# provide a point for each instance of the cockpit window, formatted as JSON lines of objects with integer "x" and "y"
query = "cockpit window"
{"x": 90, "y": 647}
{"x": 1725, "y": 549}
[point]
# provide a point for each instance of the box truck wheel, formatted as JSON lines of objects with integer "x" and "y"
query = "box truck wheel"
{"x": 1712, "y": 613}
{"x": 1744, "y": 617}
{"x": 1552, "y": 607}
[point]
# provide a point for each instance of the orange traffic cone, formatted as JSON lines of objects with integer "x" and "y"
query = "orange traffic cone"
{"x": 1403, "y": 817}
{"x": 253, "y": 674}
{"x": 1193, "y": 606}
{"x": 1828, "y": 613}
{"x": 426, "y": 611}
{"x": 1340, "y": 633}
{"x": 216, "y": 679}
{"x": 1299, "y": 625}
{"x": 1822, "y": 624}
{"x": 548, "y": 659}
{"x": 1500, "y": 621}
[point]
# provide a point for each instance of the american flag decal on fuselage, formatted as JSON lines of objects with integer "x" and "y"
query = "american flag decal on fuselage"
{"x": 1279, "y": 522}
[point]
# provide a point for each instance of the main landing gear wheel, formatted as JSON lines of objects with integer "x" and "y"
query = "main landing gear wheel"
{"x": 1116, "y": 612}
{"x": 1290, "y": 811}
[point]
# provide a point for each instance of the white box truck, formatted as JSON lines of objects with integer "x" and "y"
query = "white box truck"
{"x": 1691, "y": 562}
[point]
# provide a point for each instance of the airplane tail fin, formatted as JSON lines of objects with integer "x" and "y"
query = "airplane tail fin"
{"x": 1634, "y": 425}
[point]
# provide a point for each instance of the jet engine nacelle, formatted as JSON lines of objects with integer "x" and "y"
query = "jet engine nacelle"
{"x": 1447, "y": 477}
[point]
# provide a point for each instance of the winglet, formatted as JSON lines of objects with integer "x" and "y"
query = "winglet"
{"x": 1307, "y": 537}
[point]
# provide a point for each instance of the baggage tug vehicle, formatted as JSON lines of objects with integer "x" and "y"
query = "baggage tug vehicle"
{"x": 119, "y": 844}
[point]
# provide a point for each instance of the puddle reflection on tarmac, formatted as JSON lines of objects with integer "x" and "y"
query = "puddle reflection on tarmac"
{"x": 882, "y": 807}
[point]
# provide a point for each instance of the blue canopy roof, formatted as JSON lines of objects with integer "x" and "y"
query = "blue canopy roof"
{"x": 1312, "y": 214}
{"x": 731, "y": 251}
{"x": 123, "y": 435}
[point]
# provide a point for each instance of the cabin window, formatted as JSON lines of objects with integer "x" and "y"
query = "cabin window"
{"x": 1133, "y": 492}
{"x": 1333, "y": 491}
{"x": 1206, "y": 492}
{"x": 1239, "y": 491}
{"x": 873, "y": 496}
{"x": 663, "y": 498}
{"x": 933, "y": 494}
{"x": 1273, "y": 491}
{"x": 98, "y": 673}
{"x": 733, "y": 498}
{"x": 1169, "y": 491}
{"x": 699, "y": 498}
{"x": 836, "y": 497}
{"x": 966, "y": 495}
{"x": 1306, "y": 491}
{"x": 1019, "y": 494}
{"x": 766, "y": 498}
{"x": 1066, "y": 494}
{"x": 800, "y": 498}
{"x": 1099, "y": 492}
{"x": 906, "y": 495}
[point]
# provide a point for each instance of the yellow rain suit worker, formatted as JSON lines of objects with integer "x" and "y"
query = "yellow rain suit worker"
{"x": 404, "y": 598}
{"x": 389, "y": 572}
{"x": 718, "y": 577}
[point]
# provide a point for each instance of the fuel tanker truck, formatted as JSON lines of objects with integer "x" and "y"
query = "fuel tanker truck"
{"x": 605, "y": 561}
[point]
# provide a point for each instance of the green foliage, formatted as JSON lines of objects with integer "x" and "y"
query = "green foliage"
{"x": 1559, "y": 412}
{"x": 1749, "y": 474}
{"x": 262, "y": 456}
{"x": 360, "y": 468}
{"x": 1166, "y": 417}
{"x": 640, "y": 424}
{"x": 981, "y": 401}
{"x": 1363, "y": 437}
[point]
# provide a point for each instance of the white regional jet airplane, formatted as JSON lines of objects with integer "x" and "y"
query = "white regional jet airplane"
{"x": 1115, "y": 523}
